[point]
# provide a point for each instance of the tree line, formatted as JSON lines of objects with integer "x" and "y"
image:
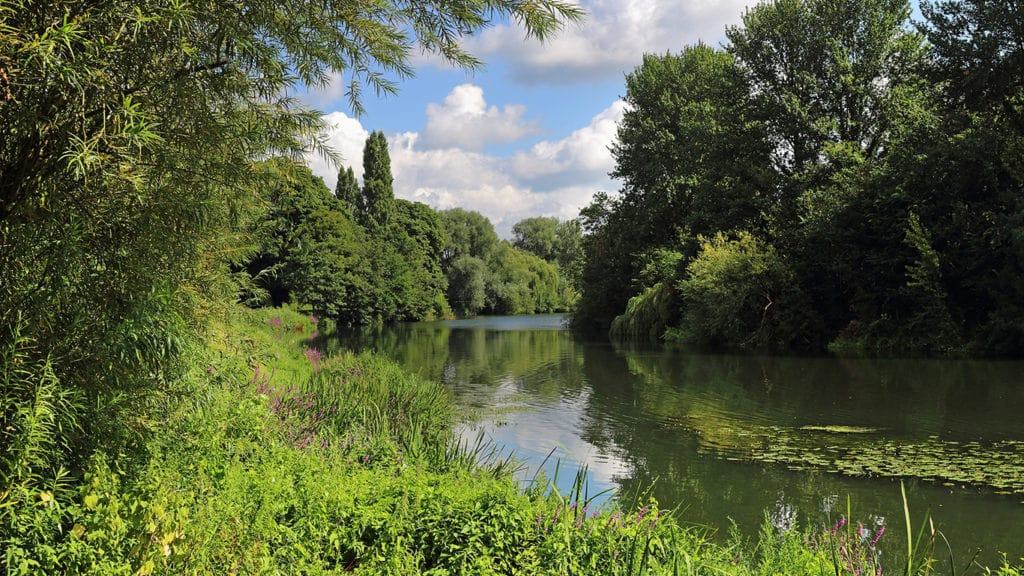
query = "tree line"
{"x": 361, "y": 256}
{"x": 835, "y": 174}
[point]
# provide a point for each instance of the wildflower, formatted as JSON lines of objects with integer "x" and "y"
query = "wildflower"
{"x": 366, "y": 458}
{"x": 314, "y": 355}
{"x": 839, "y": 525}
{"x": 640, "y": 514}
{"x": 313, "y": 319}
{"x": 878, "y": 536}
{"x": 275, "y": 322}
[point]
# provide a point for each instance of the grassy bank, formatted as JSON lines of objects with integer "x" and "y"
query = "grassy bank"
{"x": 271, "y": 459}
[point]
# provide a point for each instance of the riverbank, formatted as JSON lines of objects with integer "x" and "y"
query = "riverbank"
{"x": 276, "y": 459}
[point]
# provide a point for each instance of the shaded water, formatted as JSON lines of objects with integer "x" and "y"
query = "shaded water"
{"x": 729, "y": 438}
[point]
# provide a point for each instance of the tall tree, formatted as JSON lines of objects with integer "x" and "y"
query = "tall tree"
{"x": 829, "y": 71}
{"x": 378, "y": 196}
{"x": 347, "y": 190}
{"x": 979, "y": 50}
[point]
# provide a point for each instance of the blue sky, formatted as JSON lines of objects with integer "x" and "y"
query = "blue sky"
{"x": 528, "y": 134}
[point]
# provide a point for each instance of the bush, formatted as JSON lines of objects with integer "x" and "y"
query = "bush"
{"x": 740, "y": 292}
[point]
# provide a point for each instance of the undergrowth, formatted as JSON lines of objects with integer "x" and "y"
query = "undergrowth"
{"x": 282, "y": 461}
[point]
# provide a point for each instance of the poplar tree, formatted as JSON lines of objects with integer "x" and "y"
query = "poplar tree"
{"x": 378, "y": 191}
{"x": 347, "y": 190}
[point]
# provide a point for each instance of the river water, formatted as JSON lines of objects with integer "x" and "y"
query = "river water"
{"x": 731, "y": 439}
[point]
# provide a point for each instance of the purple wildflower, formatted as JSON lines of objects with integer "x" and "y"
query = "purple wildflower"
{"x": 313, "y": 319}
{"x": 314, "y": 355}
{"x": 275, "y": 322}
{"x": 878, "y": 535}
{"x": 640, "y": 514}
{"x": 839, "y": 526}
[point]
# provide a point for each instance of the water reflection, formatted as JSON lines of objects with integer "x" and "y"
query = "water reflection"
{"x": 719, "y": 435}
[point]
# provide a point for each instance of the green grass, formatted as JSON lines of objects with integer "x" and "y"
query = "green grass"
{"x": 277, "y": 462}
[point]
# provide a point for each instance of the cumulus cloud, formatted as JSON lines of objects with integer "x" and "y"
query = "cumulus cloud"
{"x": 465, "y": 120}
{"x": 612, "y": 39}
{"x": 582, "y": 156}
{"x": 345, "y": 136}
{"x": 552, "y": 177}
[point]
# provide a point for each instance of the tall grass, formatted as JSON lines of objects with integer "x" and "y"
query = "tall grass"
{"x": 281, "y": 461}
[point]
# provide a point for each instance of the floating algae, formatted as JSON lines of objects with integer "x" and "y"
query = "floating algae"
{"x": 857, "y": 451}
{"x": 837, "y": 429}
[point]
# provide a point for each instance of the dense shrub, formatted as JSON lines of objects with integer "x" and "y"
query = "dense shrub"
{"x": 740, "y": 292}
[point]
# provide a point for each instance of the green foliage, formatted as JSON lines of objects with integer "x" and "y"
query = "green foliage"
{"x": 330, "y": 269}
{"x": 740, "y": 292}
{"x": 469, "y": 234}
{"x": 518, "y": 282}
{"x": 560, "y": 242}
{"x": 466, "y": 285}
{"x": 924, "y": 280}
{"x": 347, "y": 190}
{"x": 822, "y": 128}
{"x": 649, "y": 315}
{"x": 537, "y": 235}
{"x": 979, "y": 56}
{"x": 377, "y": 202}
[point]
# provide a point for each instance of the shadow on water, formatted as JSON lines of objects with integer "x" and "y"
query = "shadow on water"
{"x": 729, "y": 438}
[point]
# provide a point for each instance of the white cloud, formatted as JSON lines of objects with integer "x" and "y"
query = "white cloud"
{"x": 464, "y": 120}
{"x": 581, "y": 156}
{"x": 330, "y": 93}
{"x": 553, "y": 177}
{"x": 345, "y": 136}
{"x": 612, "y": 39}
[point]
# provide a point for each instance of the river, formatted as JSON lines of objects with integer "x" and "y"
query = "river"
{"x": 732, "y": 438}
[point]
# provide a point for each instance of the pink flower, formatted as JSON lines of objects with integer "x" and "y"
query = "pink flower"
{"x": 878, "y": 535}
{"x": 314, "y": 356}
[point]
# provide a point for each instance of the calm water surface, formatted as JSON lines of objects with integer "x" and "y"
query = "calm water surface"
{"x": 704, "y": 429}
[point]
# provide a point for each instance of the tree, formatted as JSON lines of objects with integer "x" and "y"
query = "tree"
{"x": 519, "y": 282}
{"x": 469, "y": 234}
{"x": 829, "y": 71}
{"x": 416, "y": 238}
{"x": 292, "y": 194}
{"x": 330, "y": 269}
{"x": 979, "y": 51}
{"x": 347, "y": 190}
{"x": 569, "y": 251}
{"x": 692, "y": 157}
{"x": 378, "y": 198}
{"x": 537, "y": 235}
{"x": 466, "y": 285}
